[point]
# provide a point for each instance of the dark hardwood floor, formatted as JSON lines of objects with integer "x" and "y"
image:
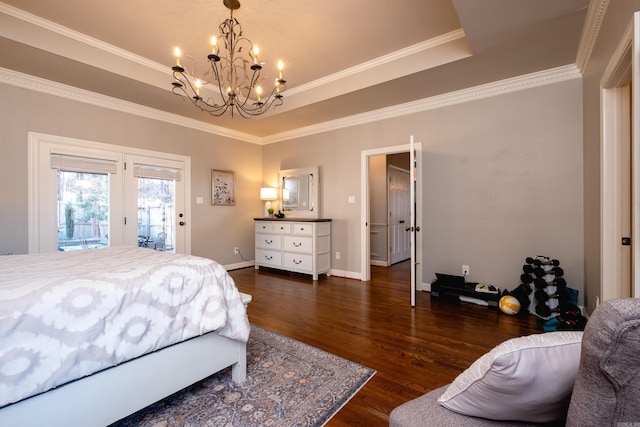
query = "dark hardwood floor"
{"x": 413, "y": 350}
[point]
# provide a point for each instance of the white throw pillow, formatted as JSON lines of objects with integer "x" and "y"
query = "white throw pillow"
{"x": 525, "y": 379}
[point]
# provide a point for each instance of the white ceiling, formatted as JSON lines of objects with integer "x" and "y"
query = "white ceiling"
{"x": 342, "y": 57}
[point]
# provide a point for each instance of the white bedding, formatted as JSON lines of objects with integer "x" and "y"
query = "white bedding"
{"x": 67, "y": 315}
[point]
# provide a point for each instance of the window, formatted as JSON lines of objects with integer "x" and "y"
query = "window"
{"x": 83, "y": 210}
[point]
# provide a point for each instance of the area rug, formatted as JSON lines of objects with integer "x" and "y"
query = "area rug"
{"x": 288, "y": 384}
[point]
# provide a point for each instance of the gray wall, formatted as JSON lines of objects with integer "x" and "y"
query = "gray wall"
{"x": 502, "y": 180}
{"x": 502, "y": 177}
{"x": 215, "y": 229}
{"x": 616, "y": 19}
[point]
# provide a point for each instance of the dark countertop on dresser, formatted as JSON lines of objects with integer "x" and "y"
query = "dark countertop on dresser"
{"x": 294, "y": 219}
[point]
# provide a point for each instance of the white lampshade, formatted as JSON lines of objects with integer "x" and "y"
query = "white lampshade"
{"x": 268, "y": 193}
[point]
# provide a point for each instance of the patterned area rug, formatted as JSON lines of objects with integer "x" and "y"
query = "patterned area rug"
{"x": 288, "y": 384}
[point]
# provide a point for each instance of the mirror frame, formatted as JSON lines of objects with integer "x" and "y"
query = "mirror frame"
{"x": 314, "y": 202}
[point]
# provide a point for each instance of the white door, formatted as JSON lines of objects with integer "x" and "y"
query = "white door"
{"x": 620, "y": 169}
{"x": 414, "y": 227}
{"x": 399, "y": 214}
{"x": 155, "y": 199}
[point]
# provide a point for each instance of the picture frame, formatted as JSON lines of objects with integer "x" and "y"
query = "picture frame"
{"x": 223, "y": 187}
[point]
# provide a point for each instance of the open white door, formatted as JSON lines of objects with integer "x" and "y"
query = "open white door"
{"x": 414, "y": 226}
{"x": 635, "y": 159}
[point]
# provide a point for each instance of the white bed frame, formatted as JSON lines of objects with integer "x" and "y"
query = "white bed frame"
{"x": 107, "y": 396}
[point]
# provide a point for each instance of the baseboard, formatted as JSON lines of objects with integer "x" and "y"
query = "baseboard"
{"x": 379, "y": 263}
{"x": 239, "y": 265}
{"x": 346, "y": 274}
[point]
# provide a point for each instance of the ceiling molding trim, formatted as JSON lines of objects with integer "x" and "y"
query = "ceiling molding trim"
{"x": 593, "y": 23}
{"x": 79, "y": 37}
{"x": 528, "y": 81}
{"x": 385, "y": 59}
{"x": 26, "y": 81}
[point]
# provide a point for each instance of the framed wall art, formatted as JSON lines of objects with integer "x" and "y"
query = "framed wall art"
{"x": 223, "y": 187}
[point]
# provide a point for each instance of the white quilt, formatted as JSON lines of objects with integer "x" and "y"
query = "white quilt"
{"x": 67, "y": 315}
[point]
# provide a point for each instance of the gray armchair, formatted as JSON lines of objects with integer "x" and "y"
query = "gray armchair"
{"x": 607, "y": 387}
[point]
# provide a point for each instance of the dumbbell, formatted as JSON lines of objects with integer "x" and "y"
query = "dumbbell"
{"x": 526, "y": 278}
{"x": 542, "y": 260}
{"x": 545, "y": 311}
{"x": 540, "y": 282}
{"x": 555, "y": 271}
{"x": 561, "y": 294}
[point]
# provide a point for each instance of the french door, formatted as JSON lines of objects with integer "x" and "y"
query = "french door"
{"x": 84, "y": 194}
{"x": 155, "y": 202}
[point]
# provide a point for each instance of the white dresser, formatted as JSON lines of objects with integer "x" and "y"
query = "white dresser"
{"x": 302, "y": 246}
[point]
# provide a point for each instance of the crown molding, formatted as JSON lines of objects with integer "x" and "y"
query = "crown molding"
{"x": 593, "y": 23}
{"x": 528, "y": 81}
{"x": 80, "y": 37}
{"x": 37, "y": 84}
{"x": 386, "y": 59}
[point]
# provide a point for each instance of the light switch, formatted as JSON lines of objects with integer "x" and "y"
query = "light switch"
{"x": 199, "y": 200}
{"x": 352, "y": 199}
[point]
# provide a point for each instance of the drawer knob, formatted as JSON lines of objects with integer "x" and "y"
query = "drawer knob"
{"x": 269, "y": 257}
{"x": 297, "y": 245}
{"x": 297, "y": 261}
{"x": 268, "y": 242}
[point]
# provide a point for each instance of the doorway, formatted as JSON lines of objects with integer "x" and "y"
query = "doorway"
{"x": 416, "y": 172}
{"x": 620, "y": 151}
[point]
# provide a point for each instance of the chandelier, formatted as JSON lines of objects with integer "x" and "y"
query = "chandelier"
{"x": 234, "y": 73}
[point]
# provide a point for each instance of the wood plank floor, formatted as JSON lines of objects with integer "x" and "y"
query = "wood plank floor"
{"x": 413, "y": 350}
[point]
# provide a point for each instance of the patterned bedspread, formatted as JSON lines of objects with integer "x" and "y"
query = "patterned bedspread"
{"x": 67, "y": 315}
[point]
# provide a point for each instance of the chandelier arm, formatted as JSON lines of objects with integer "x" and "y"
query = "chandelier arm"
{"x": 217, "y": 74}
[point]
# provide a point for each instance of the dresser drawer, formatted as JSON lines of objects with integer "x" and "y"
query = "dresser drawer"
{"x": 269, "y": 258}
{"x": 264, "y": 226}
{"x": 282, "y": 228}
{"x": 298, "y": 244}
{"x": 269, "y": 241}
{"x": 302, "y": 229}
{"x": 297, "y": 261}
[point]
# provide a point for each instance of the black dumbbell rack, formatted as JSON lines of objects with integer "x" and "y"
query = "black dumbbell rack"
{"x": 451, "y": 288}
{"x": 544, "y": 275}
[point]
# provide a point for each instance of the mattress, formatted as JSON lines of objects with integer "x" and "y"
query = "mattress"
{"x": 67, "y": 315}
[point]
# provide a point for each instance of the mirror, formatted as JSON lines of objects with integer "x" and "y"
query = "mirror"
{"x": 298, "y": 192}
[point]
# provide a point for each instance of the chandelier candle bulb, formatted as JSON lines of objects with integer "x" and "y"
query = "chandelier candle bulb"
{"x": 177, "y": 53}
{"x": 255, "y": 53}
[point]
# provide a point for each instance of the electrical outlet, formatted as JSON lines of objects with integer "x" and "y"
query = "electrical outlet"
{"x": 236, "y": 250}
{"x": 465, "y": 270}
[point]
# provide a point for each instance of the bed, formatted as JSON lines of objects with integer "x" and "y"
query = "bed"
{"x": 89, "y": 337}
